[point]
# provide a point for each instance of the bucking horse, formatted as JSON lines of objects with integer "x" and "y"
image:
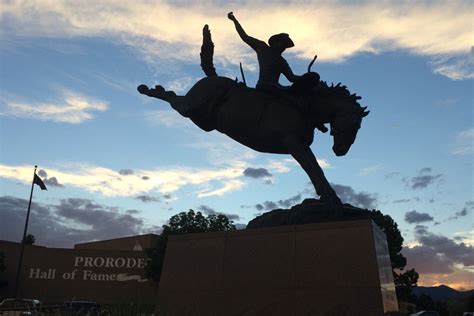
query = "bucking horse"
{"x": 269, "y": 123}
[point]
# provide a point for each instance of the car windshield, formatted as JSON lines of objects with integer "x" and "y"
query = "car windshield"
{"x": 81, "y": 305}
{"x": 17, "y": 304}
{"x": 8, "y": 304}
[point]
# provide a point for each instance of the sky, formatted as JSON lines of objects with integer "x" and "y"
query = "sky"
{"x": 117, "y": 163}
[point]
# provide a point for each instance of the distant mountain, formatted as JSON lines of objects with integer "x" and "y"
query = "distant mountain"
{"x": 440, "y": 293}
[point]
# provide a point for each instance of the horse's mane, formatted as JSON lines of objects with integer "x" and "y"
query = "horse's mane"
{"x": 323, "y": 90}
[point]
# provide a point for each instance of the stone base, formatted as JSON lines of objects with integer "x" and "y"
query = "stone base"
{"x": 337, "y": 268}
{"x": 309, "y": 211}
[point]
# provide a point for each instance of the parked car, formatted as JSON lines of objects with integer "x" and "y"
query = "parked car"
{"x": 82, "y": 308}
{"x": 426, "y": 313}
{"x": 20, "y": 307}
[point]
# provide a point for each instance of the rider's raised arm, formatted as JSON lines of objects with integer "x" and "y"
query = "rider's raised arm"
{"x": 252, "y": 42}
{"x": 288, "y": 73}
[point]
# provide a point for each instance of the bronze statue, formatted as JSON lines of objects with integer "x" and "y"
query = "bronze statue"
{"x": 267, "y": 122}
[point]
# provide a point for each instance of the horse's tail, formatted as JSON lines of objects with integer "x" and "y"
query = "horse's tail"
{"x": 207, "y": 53}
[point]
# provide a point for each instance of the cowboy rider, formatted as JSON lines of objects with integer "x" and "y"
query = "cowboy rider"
{"x": 272, "y": 65}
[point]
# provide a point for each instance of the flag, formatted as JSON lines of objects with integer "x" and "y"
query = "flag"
{"x": 39, "y": 182}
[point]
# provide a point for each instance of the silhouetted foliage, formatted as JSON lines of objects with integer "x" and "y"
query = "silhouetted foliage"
{"x": 3, "y": 267}
{"x": 2, "y": 262}
{"x": 29, "y": 239}
{"x": 404, "y": 281}
{"x": 425, "y": 303}
{"x": 457, "y": 306}
{"x": 182, "y": 223}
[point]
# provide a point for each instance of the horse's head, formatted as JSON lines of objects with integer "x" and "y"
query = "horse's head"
{"x": 344, "y": 128}
{"x": 346, "y": 120}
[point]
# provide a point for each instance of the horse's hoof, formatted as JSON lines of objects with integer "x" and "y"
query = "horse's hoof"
{"x": 142, "y": 89}
{"x": 159, "y": 89}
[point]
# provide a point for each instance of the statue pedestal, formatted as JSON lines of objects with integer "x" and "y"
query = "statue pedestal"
{"x": 335, "y": 268}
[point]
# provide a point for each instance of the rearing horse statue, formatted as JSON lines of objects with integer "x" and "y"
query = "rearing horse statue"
{"x": 268, "y": 123}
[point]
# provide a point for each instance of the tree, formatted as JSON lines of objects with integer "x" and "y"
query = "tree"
{"x": 425, "y": 303}
{"x": 182, "y": 223}
{"x": 29, "y": 239}
{"x": 3, "y": 267}
{"x": 404, "y": 281}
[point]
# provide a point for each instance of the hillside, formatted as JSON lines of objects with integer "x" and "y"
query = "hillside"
{"x": 440, "y": 293}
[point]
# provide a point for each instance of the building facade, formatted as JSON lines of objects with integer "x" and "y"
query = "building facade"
{"x": 107, "y": 272}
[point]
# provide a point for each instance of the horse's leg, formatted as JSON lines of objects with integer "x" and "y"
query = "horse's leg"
{"x": 179, "y": 103}
{"x": 305, "y": 157}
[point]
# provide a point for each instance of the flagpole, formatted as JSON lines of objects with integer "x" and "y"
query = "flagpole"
{"x": 18, "y": 271}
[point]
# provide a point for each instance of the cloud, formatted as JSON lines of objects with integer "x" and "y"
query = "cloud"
{"x": 126, "y": 172}
{"x": 210, "y": 211}
{"x": 457, "y": 67}
{"x": 402, "y": 201}
{"x": 147, "y": 198}
{"x": 168, "y": 118}
{"x": 42, "y": 173}
{"x": 271, "y": 205}
{"x": 360, "y": 199}
{"x": 335, "y": 30}
{"x": 286, "y": 164}
{"x": 437, "y": 254}
{"x": 230, "y": 185}
{"x": 109, "y": 182}
{"x": 468, "y": 207}
{"x": 424, "y": 179}
{"x": 464, "y": 142}
{"x": 50, "y": 182}
{"x": 67, "y": 223}
{"x": 257, "y": 173}
{"x": 369, "y": 170}
{"x": 282, "y": 165}
{"x": 71, "y": 107}
{"x": 222, "y": 150}
{"x": 415, "y": 217}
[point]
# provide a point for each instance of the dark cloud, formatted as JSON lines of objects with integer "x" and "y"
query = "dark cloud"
{"x": 359, "y": 199}
{"x": 424, "y": 179}
{"x": 133, "y": 212}
{"x": 52, "y": 182}
{"x": 145, "y": 178}
{"x": 210, "y": 211}
{"x": 70, "y": 222}
{"x": 167, "y": 196}
{"x": 207, "y": 210}
{"x": 147, "y": 198}
{"x": 42, "y": 173}
{"x": 126, "y": 172}
{"x": 437, "y": 253}
{"x": 239, "y": 226}
{"x": 402, "y": 201}
{"x": 468, "y": 206}
{"x": 271, "y": 205}
{"x": 415, "y": 217}
{"x": 426, "y": 170}
{"x": 257, "y": 173}
{"x": 291, "y": 201}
